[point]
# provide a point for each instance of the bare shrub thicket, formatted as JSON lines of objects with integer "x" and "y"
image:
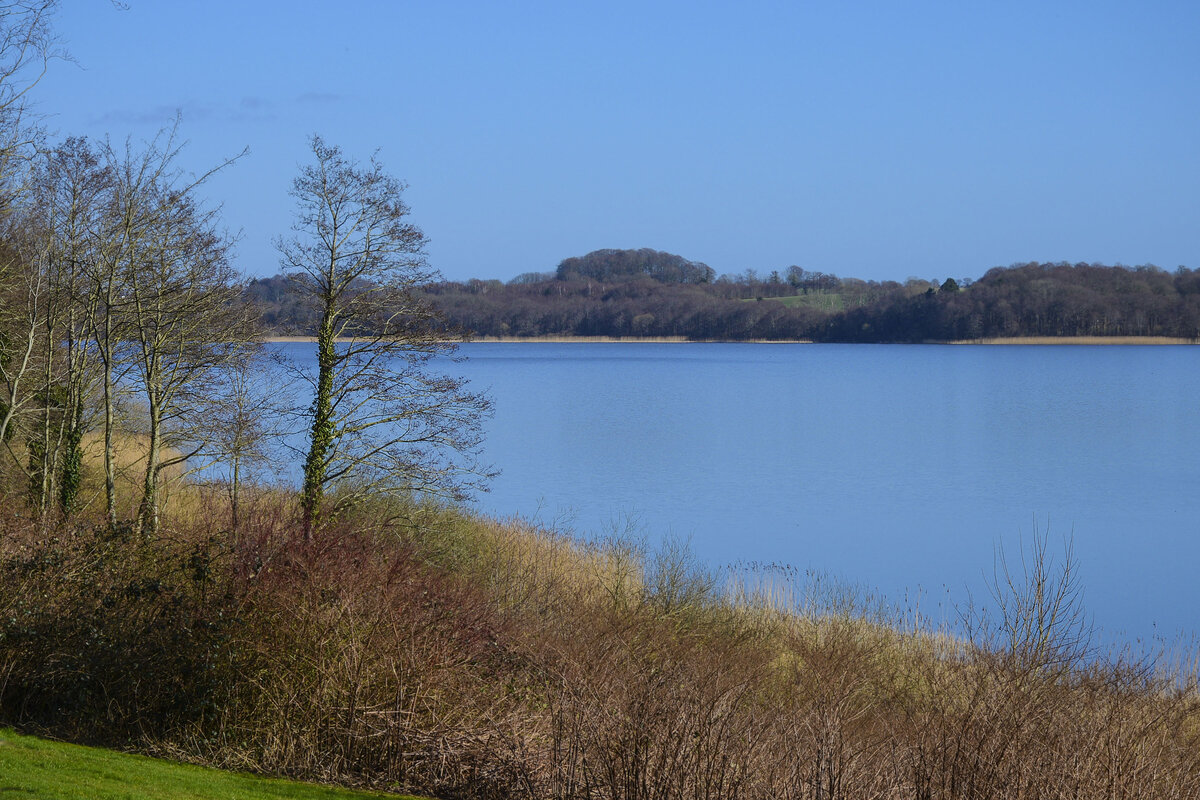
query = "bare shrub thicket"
{"x": 369, "y": 668}
{"x": 108, "y": 636}
{"x": 639, "y": 706}
{"x": 412, "y": 646}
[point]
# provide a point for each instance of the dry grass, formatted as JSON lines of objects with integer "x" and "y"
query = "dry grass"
{"x": 1087, "y": 340}
{"x": 129, "y": 459}
{"x": 562, "y": 338}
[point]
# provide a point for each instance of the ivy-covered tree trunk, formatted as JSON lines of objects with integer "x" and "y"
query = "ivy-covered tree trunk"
{"x": 71, "y": 467}
{"x": 321, "y": 438}
{"x": 39, "y": 475}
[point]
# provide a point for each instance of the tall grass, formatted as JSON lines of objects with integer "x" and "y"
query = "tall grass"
{"x": 418, "y": 647}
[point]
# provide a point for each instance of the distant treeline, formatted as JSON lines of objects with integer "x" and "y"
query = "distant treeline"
{"x": 624, "y": 293}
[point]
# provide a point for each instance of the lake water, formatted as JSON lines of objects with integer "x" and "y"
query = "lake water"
{"x": 894, "y": 466}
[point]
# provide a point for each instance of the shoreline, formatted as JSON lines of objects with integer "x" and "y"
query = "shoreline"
{"x": 566, "y": 339}
{"x": 1077, "y": 340}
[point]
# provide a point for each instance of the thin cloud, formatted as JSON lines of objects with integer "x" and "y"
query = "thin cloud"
{"x": 319, "y": 98}
{"x": 254, "y": 103}
{"x": 252, "y": 108}
{"x": 247, "y": 109}
{"x": 158, "y": 115}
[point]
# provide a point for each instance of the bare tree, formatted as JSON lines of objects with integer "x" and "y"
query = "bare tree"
{"x": 67, "y": 197}
{"x": 383, "y": 419}
{"x": 246, "y": 416}
{"x": 1040, "y": 620}
{"x": 27, "y": 45}
{"x": 23, "y": 297}
{"x": 130, "y": 202}
{"x": 178, "y": 293}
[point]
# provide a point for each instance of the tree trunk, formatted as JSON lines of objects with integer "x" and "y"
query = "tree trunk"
{"x": 106, "y": 355}
{"x": 148, "y": 509}
{"x": 234, "y": 478}
{"x": 71, "y": 466}
{"x": 313, "y": 492}
{"x": 110, "y": 480}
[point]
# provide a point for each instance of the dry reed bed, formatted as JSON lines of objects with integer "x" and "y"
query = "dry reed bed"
{"x": 1083, "y": 340}
{"x": 413, "y": 646}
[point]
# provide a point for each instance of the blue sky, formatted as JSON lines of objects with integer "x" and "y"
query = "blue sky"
{"x": 875, "y": 140}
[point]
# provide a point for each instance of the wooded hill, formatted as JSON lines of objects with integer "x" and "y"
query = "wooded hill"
{"x": 648, "y": 293}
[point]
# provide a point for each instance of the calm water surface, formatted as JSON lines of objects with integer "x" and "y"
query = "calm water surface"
{"x": 897, "y": 467}
{"x": 900, "y": 467}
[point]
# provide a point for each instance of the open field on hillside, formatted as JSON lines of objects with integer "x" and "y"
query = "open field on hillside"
{"x": 831, "y": 302}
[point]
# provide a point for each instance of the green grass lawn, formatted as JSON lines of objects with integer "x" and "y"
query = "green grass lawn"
{"x": 36, "y": 769}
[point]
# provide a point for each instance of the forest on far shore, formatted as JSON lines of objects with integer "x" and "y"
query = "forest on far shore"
{"x": 649, "y": 293}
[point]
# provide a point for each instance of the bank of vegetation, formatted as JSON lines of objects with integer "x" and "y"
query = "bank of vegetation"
{"x": 651, "y": 294}
{"x": 412, "y": 646}
{"x": 1024, "y": 300}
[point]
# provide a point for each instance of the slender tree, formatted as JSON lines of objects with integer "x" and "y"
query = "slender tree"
{"x": 171, "y": 283}
{"x": 382, "y": 417}
{"x": 65, "y": 209}
{"x": 141, "y": 300}
{"x": 246, "y": 416}
{"x": 26, "y": 47}
{"x": 23, "y": 299}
